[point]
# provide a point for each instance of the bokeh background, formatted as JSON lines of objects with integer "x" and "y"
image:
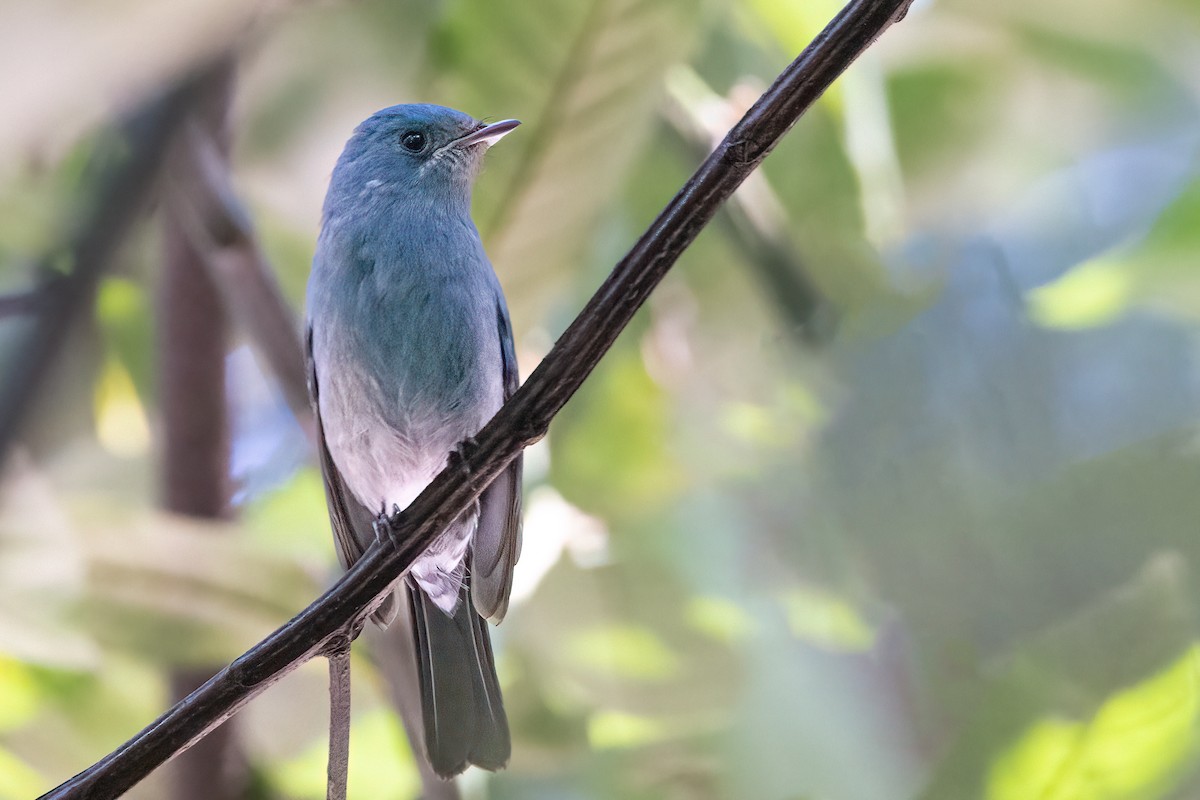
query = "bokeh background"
{"x": 892, "y": 491}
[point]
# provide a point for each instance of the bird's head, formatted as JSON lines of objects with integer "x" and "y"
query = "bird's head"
{"x": 417, "y": 151}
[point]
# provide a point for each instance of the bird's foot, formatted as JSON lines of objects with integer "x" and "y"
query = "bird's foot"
{"x": 382, "y": 526}
{"x": 462, "y": 451}
{"x": 458, "y": 458}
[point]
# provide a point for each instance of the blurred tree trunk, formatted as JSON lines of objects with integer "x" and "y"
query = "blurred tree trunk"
{"x": 193, "y": 336}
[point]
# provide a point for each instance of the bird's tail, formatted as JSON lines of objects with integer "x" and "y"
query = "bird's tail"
{"x": 460, "y": 695}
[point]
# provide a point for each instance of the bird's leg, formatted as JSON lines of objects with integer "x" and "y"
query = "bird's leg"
{"x": 458, "y": 458}
{"x": 382, "y": 526}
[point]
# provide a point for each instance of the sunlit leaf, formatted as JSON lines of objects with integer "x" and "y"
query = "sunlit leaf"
{"x": 719, "y": 618}
{"x": 826, "y": 620}
{"x": 293, "y": 518}
{"x": 624, "y": 651}
{"x": 795, "y": 23}
{"x": 1066, "y": 674}
{"x": 610, "y": 446}
{"x": 20, "y": 692}
{"x": 127, "y": 321}
{"x": 1163, "y": 268}
{"x": 121, "y": 424}
{"x": 1092, "y": 294}
{"x": 607, "y": 729}
{"x": 1134, "y": 747}
{"x": 17, "y": 779}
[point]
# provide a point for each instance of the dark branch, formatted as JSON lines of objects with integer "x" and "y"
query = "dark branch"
{"x": 120, "y": 196}
{"x": 755, "y": 221}
{"x": 523, "y": 420}
{"x": 194, "y": 449}
{"x": 222, "y": 230}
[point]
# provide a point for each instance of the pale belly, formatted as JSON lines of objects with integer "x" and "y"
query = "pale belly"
{"x": 387, "y": 458}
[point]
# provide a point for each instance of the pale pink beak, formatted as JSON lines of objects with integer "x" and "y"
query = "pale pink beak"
{"x": 488, "y": 134}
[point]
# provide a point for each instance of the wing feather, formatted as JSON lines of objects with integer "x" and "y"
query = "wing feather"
{"x": 497, "y": 541}
{"x": 346, "y": 515}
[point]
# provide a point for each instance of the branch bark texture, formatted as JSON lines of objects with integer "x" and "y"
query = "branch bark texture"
{"x": 522, "y": 421}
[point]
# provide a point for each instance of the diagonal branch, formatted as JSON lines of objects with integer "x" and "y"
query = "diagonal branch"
{"x": 120, "y": 196}
{"x": 523, "y": 420}
{"x": 221, "y": 228}
{"x": 754, "y": 217}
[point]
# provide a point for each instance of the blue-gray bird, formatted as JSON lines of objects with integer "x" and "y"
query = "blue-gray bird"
{"x": 410, "y": 353}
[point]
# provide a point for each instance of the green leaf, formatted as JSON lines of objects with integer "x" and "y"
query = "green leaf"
{"x": 1134, "y": 747}
{"x": 795, "y": 23}
{"x": 293, "y": 519}
{"x": 1163, "y": 267}
{"x": 1092, "y": 294}
{"x": 942, "y": 111}
{"x": 21, "y": 693}
{"x": 125, "y": 317}
{"x": 584, "y": 77}
{"x": 616, "y": 729}
{"x": 1029, "y": 704}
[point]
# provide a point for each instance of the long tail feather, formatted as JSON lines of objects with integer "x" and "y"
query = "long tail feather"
{"x": 464, "y": 715}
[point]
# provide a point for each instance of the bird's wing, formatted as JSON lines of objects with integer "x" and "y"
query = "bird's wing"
{"x": 344, "y": 511}
{"x": 497, "y": 541}
{"x": 346, "y": 515}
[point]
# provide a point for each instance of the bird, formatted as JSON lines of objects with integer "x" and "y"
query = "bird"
{"x": 410, "y": 352}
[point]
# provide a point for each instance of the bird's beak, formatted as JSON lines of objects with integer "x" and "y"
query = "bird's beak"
{"x": 488, "y": 134}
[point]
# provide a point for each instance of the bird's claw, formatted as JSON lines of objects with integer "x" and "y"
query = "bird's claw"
{"x": 382, "y": 526}
{"x": 458, "y": 458}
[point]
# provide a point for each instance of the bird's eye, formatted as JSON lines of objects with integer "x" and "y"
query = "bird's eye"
{"x": 413, "y": 141}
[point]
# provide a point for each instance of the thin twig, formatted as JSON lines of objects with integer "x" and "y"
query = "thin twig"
{"x": 339, "y": 722}
{"x": 523, "y": 420}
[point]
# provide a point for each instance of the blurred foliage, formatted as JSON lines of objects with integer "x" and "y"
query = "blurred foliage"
{"x": 950, "y": 553}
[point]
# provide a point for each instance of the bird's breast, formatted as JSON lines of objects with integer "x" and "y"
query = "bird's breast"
{"x": 409, "y": 364}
